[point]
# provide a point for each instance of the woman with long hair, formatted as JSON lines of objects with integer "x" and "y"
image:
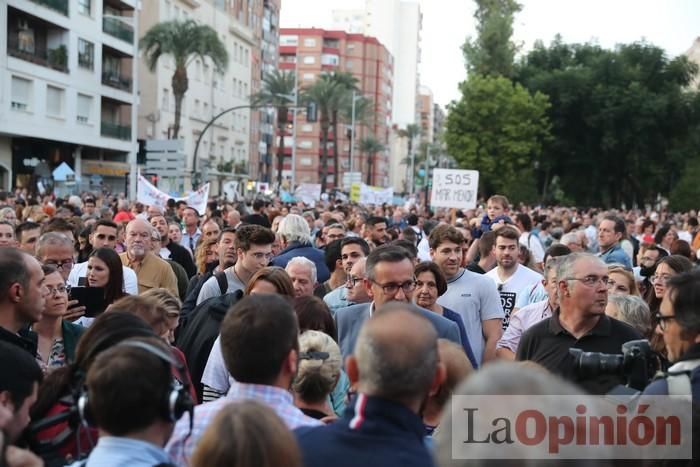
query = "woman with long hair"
{"x": 269, "y": 280}
{"x": 66, "y": 439}
{"x": 57, "y": 338}
{"x": 621, "y": 281}
{"x": 206, "y": 256}
{"x": 105, "y": 269}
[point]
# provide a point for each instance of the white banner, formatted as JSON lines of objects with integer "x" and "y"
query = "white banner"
{"x": 376, "y": 195}
{"x": 309, "y": 193}
{"x": 148, "y": 194}
{"x": 453, "y": 188}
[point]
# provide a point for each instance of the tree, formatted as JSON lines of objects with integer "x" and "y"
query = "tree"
{"x": 492, "y": 52}
{"x": 184, "y": 41}
{"x": 346, "y": 84}
{"x": 499, "y": 129}
{"x": 326, "y": 94}
{"x": 370, "y": 146}
{"x": 622, "y": 119}
{"x": 277, "y": 90}
{"x": 411, "y": 132}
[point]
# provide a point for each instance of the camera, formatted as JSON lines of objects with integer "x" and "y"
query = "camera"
{"x": 637, "y": 364}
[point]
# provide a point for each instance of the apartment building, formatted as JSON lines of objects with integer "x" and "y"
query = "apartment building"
{"x": 68, "y": 93}
{"x": 313, "y": 52}
{"x": 225, "y": 148}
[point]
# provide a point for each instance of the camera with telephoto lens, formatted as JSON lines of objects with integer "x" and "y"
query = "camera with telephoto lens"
{"x": 637, "y": 363}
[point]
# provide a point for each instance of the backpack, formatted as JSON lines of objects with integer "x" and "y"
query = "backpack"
{"x": 193, "y": 293}
{"x": 197, "y": 339}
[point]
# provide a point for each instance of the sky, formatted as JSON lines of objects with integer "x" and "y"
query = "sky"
{"x": 670, "y": 24}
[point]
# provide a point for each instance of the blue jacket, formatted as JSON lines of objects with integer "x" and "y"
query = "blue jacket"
{"x": 307, "y": 251}
{"x": 373, "y": 432}
{"x": 616, "y": 255}
{"x": 349, "y": 321}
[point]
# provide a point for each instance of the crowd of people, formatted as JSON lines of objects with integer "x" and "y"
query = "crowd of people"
{"x": 269, "y": 333}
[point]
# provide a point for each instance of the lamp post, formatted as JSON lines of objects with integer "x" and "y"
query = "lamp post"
{"x": 355, "y": 98}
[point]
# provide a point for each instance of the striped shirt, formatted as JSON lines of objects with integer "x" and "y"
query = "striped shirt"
{"x": 182, "y": 443}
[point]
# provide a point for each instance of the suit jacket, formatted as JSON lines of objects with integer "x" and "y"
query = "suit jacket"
{"x": 349, "y": 320}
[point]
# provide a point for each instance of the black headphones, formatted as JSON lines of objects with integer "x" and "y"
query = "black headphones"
{"x": 177, "y": 400}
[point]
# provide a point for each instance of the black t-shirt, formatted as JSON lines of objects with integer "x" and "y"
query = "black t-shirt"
{"x": 548, "y": 344}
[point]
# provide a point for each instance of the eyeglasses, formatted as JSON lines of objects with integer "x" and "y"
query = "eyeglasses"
{"x": 258, "y": 255}
{"x": 61, "y": 289}
{"x": 352, "y": 280}
{"x": 392, "y": 288}
{"x": 660, "y": 279}
{"x": 66, "y": 263}
{"x": 663, "y": 320}
{"x": 590, "y": 281}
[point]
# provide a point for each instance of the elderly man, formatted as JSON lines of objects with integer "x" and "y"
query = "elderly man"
{"x": 296, "y": 241}
{"x": 394, "y": 368}
{"x": 356, "y": 291}
{"x": 151, "y": 271}
{"x": 389, "y": 277}
{"x": 579, "y": 322}
{"x": 233, "y": 219}
{"x": 303, "y": 274}
{"x": 55, "y": 249}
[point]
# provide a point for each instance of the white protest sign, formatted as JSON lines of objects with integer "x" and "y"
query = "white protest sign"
{"x": 309, "y": 193}
{"x": 148, "y": 194}
{"x": 453, "y": 188}
{"x": 376, "y": 195}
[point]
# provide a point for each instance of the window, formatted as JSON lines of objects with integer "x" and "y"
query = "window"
{"x": 307, "y": 128}
{"x": 305, "y": 144}
{"x": 246, "y": 60}
{"x": 349, "y": 64}
{"x": 289, "y": 40}
{"x": 309, "y": 60}
{"x": 86, "y": 54}
{"x": 84, "y": 108}
{"x": 21, "y": 92}
{"x": 85, "y": 7}
{"x": 166, "y": 99}
{"x": 309, "y": 42}
{"x": 329, "y": 59}
{"x": 308, "y": 77}
{"x": 305, "y": 161}
{"x": 54, "y": 101}
{"x": 196, "y": 107}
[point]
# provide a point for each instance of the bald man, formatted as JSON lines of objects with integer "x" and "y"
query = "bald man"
{"x": 395, "y": 369}
{"x": 151, "y": 271}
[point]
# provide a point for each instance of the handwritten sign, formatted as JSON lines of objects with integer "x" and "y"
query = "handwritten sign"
{"x": 365, "y": 194}
{"x": 152, "y": 196}
{"x": 454, "y": 188}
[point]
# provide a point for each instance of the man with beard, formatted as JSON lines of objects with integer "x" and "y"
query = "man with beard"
{"x": 171, "y": 250}
{"x": 151, "y": 271}
{"x": 510, "y": 276}
{"x": 375, "y": 231}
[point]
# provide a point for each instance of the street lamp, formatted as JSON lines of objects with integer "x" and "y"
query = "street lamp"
{"x": 355, "y": 98}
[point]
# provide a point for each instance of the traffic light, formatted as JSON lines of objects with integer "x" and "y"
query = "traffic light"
{"x": 311, "y": 112}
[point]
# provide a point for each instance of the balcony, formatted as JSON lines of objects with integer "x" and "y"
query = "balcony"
{"x": 37, "y": 41}
{"x": 117, "y": 28}
{"x": 113, "y": 130}
{"x": 60, "y": 6}
{"x": 114, "y": 80}
{"x": 51, "y": 58}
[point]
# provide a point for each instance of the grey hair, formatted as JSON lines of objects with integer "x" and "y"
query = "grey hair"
{"x": 552, "y": 264}
{"x": 571, "y": 237}
{"x": 51, "y": 239}
{"x": 633, "y": 311}
{"x": 396, "y": 372}
{"x": 294, "y": 228}
{"x": 317, "y": 377}
{"x": 386, "y": 253}
{"x": 566, "y": 266}
{"x": 306, "y": 262}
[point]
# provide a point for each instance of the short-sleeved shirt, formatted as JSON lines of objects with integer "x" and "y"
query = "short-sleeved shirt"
{"x": 548, "y": 344}
{"x": 475, "y": 298}
{"x": 515, "y": 284}
{"x": 211, "y": 286}
{"x": 521, "y": 321}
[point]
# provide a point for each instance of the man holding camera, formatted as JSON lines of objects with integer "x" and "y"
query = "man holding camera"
{"x": 679, "y": 324}
{"x": 580, "y": 322}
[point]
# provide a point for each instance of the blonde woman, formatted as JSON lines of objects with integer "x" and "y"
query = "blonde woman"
{"x": 319, "y": 369}
{"x": 621, "y": 281}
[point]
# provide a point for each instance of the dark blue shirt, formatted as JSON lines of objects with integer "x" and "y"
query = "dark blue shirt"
{"x": 454, "y": 316}
{"x": 295, "y": 249}
{"x": 373, "y": 432}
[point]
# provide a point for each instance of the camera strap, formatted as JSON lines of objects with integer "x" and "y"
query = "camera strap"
{"x": 678, "y": 378}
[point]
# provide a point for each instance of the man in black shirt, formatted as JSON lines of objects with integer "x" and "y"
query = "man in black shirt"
{"x": 258, "y": 216}
{"x": 171, "y": 250}
{"x": 580, "y": 322}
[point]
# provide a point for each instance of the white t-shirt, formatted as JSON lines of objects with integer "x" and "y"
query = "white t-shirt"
{"x": 532, "y": 242}
{"x": 476, "y": 299}
{"x": 509, "y": 290}
{"x": 131, "y": 284}
{"x": 215, "y": 374}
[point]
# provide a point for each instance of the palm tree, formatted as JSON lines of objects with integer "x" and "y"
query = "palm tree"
{"x": 277, "y": 89}
{"x": 410, "y": 132}
{"x": 184, "y": 41}
{"x": 326, "y": 94}
{"x": 370, "y": 146}
{"x": 347, "y": 83}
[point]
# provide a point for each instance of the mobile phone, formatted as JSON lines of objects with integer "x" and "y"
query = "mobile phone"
{"x": 92, "y": 298}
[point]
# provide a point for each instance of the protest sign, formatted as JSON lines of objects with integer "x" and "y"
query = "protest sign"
{"x": 309, "y": 193}
{"x": 148, "y": 194}
{"x": 453, "y": 188}
{"x": 365, "y": 194}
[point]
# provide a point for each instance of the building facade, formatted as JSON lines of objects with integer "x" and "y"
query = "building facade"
{"x": 311, "y": 53}
{"x": 225, "y": 148}
{"x": 68, "y": 93}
